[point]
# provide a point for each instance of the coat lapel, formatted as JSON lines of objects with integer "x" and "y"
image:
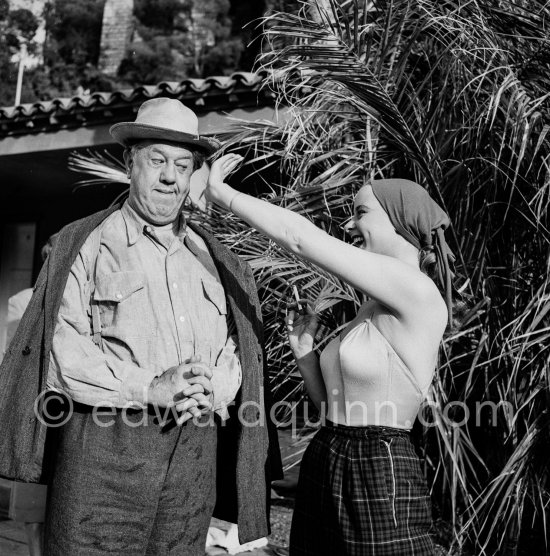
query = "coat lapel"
{"x": 240, "y": 289}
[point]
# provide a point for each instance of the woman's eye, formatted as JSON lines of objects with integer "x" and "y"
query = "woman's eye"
{"x": 181, "y": 168}
{"x": 157, "y": 161}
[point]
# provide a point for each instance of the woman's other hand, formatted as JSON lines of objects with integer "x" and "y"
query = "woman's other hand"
{"x": 301, "y": 327}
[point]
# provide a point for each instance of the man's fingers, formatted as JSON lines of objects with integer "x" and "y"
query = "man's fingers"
{"x": 192, "y": 407}
{"x": 193, "y": 400}
{"x": 186, "y": 405}
{"x": 195, "y": 411}
{"x": 197, "y": 367}
{"x": 203, "y": 401}
{"x": 202, "y": 381}
{"x": 183, "y": 418}
{"x": 203, "y": 370}
{"x": 190, "y": 370}
{"x": 194, "y": 389}
{"x": 195, "y": 404}
{"x": 197, "y": 385}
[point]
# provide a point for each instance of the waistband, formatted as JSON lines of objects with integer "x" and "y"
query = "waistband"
{"x": 366, "y": 431}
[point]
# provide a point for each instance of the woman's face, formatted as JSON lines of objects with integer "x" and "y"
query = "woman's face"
{"x": 370, "y": 227}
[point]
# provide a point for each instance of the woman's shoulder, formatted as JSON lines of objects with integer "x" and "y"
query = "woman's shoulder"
{"x": 426, "y": 311}
{"x": 427, "y": 308}
{"x": 416, "y": 339}
{"x": 434, "y": 308}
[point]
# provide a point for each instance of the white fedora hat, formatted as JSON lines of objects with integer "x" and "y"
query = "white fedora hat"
{"x": 165, "y": 119}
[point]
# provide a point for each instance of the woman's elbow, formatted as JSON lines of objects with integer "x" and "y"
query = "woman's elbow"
{"x": 293, "y": 240}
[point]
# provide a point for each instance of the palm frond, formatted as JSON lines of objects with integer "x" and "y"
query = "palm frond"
{"x": 453, "y": 95}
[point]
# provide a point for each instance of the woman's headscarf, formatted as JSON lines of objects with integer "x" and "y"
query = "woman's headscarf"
{"x": 421, "y": 221}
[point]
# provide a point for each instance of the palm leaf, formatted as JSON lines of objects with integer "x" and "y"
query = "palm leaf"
{"x": 454, "y": 96}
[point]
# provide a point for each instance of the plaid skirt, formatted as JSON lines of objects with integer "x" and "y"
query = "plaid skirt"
{"x": 361, "y": 492}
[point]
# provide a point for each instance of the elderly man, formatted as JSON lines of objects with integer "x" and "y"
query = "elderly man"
{"x": 147, "y": 324}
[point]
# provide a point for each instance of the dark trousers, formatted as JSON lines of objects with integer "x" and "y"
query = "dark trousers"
{"x": 130, "y": 488}
{"x": 361, "y": 492}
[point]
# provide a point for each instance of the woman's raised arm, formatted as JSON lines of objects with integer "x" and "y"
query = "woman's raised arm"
{"x": 396, "y": 284}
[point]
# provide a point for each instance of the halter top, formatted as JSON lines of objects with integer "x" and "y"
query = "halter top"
{"x": 367, "y": 383}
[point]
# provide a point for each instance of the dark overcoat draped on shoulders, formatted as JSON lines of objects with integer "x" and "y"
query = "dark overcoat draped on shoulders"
{"x": 248, "y": 450}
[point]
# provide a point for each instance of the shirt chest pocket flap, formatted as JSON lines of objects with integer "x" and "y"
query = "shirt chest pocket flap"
{"x": 214, "y": 292}
{"x": 123, "y": 304}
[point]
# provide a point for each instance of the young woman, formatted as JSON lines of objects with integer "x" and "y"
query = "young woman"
{"x": 361, "y": 490}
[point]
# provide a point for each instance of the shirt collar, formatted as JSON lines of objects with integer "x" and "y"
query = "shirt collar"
{"x": 135, "y": 224}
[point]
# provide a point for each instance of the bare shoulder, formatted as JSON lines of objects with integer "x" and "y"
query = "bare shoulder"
{"x": 416, "y": 337}
{"x": 424, "y": 308}
{"x": 434, "y": 312}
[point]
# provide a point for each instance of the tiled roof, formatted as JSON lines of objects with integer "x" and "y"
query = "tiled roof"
{"x": 240, "y": 90}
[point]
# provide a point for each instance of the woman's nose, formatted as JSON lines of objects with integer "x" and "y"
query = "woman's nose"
{"x": 349, "y": 225}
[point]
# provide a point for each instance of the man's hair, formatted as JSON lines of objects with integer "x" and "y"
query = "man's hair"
{"x": 199, "y": 156}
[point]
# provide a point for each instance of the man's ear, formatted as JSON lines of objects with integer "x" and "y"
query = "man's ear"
{"x": 128, "y": 161}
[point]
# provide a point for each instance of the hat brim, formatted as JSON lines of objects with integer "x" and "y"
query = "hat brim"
{"x": 127, "y": 133}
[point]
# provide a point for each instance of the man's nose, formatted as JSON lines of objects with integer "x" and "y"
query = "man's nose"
{"x": 168, "y": 174}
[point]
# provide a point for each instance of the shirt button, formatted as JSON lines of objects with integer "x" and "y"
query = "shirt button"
{"x": 182, "y": 319}
{"x": 175, "y": 286}
{"x": 118, "y": 295}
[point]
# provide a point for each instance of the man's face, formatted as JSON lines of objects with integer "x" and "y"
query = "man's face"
{"x": 160, "y": 174}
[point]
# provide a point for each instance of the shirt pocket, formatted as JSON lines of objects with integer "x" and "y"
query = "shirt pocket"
{"x": 123, "y": 305}
{"x": 213, "y": 291}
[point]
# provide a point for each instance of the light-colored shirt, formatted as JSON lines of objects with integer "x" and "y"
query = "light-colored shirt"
{"x": 17, "y": 304}
{"x": 159, "y": 304}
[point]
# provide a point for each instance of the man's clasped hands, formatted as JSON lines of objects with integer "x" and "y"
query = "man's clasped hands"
{"x": 187, "y": 388}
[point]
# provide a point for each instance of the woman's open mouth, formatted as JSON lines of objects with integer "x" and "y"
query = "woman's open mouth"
{"x": 358, "y": 241}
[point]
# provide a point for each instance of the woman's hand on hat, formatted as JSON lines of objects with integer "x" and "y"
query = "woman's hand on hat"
{"x": 217, "y": 190}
